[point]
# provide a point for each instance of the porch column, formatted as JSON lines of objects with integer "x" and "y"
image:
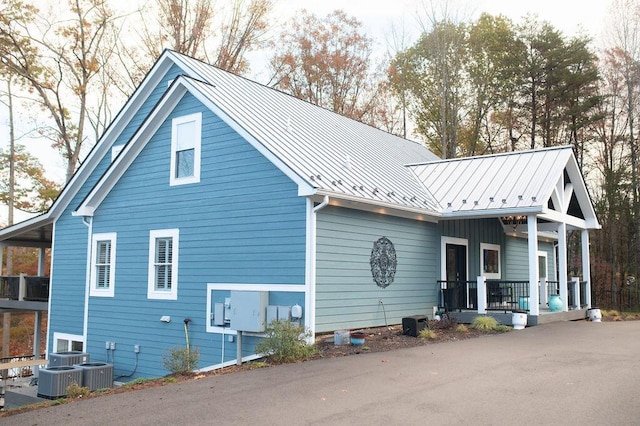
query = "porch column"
{"x": 543, "y": 293}
{"x": 37, "y": 328}
{"x": 575, "y": 282}
{"x": 586, "y": 267}
{"x": 532, "y": 238}
{"x": 562, "y": 265}
{"x": 41, "y": 259}
{"x": 482, "y": 295}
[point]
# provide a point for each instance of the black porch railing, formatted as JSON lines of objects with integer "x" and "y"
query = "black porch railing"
{"x": 501, "y": 295}
{"x": 507, "y": 295}
{"x": 458, "y": 295}
{"x": 36, "y": 288}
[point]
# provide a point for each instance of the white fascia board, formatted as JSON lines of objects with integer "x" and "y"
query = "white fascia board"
{"x": 581, "y": 193}
{"x": 304, "y": 187}
{"x": 489, "y": 213}
{"x": 380, "y": 207}
{"x": 131, "y": 150}
{"x": 25, "y": 226}
{"x": 103, "y": 145}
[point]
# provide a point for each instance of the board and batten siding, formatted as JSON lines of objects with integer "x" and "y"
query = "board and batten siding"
{"x": 346, "y": 295}
{"x": 517, "y": 259}
{"x": 243, "y": 223}
{"x": 476, "y": 232}
{"x": 69, "y": 261}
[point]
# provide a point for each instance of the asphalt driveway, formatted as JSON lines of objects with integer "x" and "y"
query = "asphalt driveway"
{"x": 562, "y": 373}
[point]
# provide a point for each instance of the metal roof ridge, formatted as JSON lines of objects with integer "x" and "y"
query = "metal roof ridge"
{"x": 494, "y": 155}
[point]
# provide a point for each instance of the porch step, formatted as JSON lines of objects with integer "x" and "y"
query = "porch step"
{"x": 545, "y": 317}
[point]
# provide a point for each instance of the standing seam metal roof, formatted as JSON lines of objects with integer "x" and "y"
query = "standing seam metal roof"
{"x": 338, "y": 155}
{"x": 316, "y": 143}
{"x": 513, "y": 180}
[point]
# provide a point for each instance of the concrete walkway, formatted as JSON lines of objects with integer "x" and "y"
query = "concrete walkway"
{"x": 570, "y": 373}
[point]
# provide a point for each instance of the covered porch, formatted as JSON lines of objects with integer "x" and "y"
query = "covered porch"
{"x": 464, "y": 300}
{"x": 539, "y": 197}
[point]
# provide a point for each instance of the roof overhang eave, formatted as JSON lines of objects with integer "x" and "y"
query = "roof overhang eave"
{"x": 492, "y": 213}
{"x": 380, "y": 207}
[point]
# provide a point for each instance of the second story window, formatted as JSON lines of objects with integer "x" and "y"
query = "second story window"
{"x": 185, "y": 149}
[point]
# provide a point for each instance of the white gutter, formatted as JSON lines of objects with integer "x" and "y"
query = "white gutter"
{"x": 322, "y": 205}
{"x": 310, "y": 291}
{"x": 88, "y": 221}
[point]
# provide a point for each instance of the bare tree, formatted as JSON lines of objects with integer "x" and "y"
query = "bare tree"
{"x": 624, "y": 35}
{"x": 218, "y": 33}
{"x": 57, "y": 60}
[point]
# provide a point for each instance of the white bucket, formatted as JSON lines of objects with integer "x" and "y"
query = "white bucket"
{"x": 341, "y": 337}
{"x": 595, "y": 315}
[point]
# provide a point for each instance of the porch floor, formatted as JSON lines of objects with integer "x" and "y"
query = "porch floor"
{"x": 545, "y": 317}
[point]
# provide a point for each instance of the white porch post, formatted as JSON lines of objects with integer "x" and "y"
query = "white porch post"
{"x": 575, "y": 281}
{"x": 562, "y": 265}
{"x": 532, "y": 238}
{"x": 41, "y": 259}
{"x": 543, "y": 293}
{"x": 586, "y": 267}
{"x": 482, "y": 295}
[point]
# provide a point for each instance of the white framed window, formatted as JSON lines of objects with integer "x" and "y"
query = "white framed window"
{"x": 163, "y": 264}
{"x": 63, "y": 342}
{"x": 186, "y": 136}
{"x": 103, "y": 265}
{"x": 490, "y": 261}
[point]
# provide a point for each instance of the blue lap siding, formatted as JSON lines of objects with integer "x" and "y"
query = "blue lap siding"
{"x": 69, "y": 261}
{"x": 243, "y": 223}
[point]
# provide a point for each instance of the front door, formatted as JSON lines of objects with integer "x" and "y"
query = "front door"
{"x": 456, "y": 262}
{"x": 456, "y": 275}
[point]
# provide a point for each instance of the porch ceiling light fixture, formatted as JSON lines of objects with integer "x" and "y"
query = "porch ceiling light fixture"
{"x": 383, "y": 262}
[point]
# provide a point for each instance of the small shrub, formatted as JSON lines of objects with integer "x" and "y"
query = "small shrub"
{"x": 502, "y": 328}
{"x": 180, "y": 360}
{"x": 612, "y": 315}
{"x": 284, "y": 342}
{"x": 484, "y": 323}
{"x": 75, "y": 391}
{"x": 427, "y": 334}
{"x": 170, "y": 379}
{"x": 461, "y": 328}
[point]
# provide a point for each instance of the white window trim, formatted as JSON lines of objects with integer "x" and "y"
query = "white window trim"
{"x": 152, "y": 293}
{"x": 197, "y": 118}
{"x": 490, "y": 275}
{"x": 69, "y": 338}
{"x": 93, "y": 289}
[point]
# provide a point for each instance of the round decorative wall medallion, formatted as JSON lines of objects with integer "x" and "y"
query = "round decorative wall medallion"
{"x": 383, "y": 262}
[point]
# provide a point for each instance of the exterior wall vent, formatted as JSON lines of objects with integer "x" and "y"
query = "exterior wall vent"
{"x": 53, "y": 381}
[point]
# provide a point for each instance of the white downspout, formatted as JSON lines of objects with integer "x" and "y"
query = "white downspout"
{"x": 88, "y": 221}
{"x": 310, "y": 297}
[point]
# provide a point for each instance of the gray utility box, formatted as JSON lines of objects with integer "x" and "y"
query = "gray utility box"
{"x": 53, "y": 381}
{"x": 97, "y": 375}
{"x": 67, "y": 358}
{"x": 248, "y": 310}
